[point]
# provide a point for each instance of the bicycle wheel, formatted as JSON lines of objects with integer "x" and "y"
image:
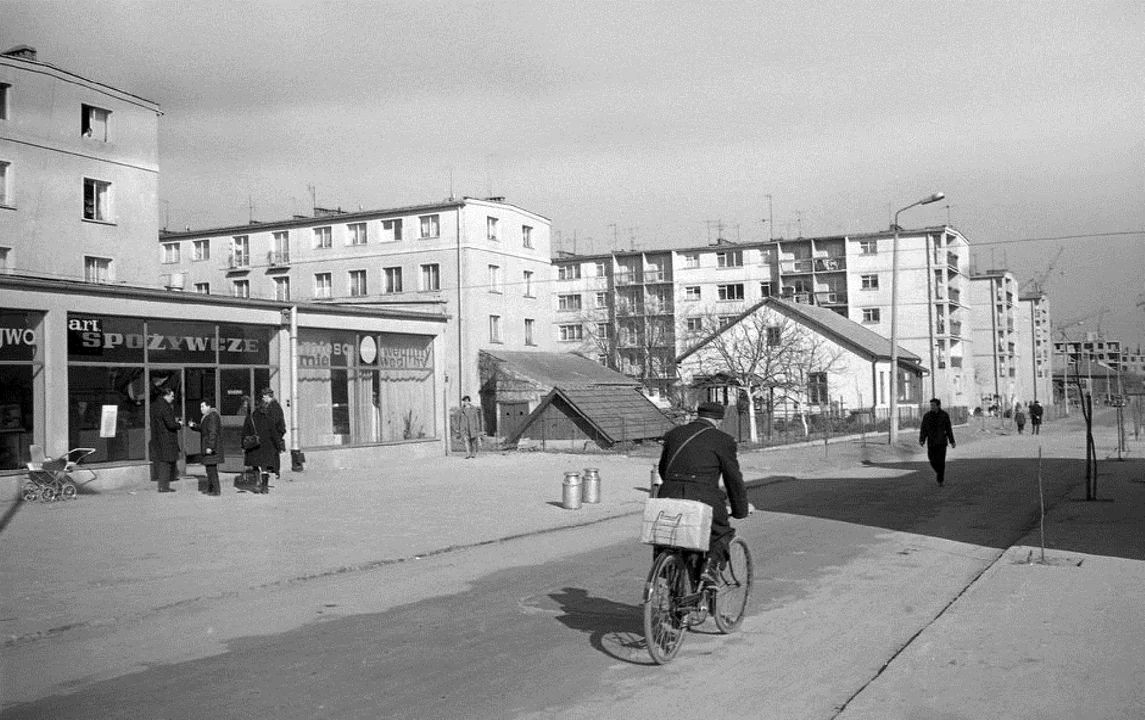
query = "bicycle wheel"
{"x": 664, "y": 622}
{"x": 735, "y": 587}
{"x": 68, "y": 492}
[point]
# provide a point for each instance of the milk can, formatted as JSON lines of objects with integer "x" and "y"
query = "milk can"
{"x": 571, "y": 495}
{"x": 591, "y": 490}
{"x": 654, "y": 482}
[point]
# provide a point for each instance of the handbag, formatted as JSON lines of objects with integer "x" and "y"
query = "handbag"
{"x": 250, "y": 442}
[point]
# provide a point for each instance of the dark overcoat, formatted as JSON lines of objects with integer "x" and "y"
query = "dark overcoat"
{"x": 936, "y": 429}
{"x": 695, "y": 472}
{"x": 266, "y": 454}
{"x": 211, "y": 428}
{"x": 164, "y": 432}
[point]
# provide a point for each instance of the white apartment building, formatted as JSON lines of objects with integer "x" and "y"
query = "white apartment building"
{"x": 997, "y": 350}
{"x": 1095, "y": 348}
{"x": 79, "y": 168}
{"x": 484, "y": 263}
{"x": 635, "y": 311}
{"x": 1035, "y": 347}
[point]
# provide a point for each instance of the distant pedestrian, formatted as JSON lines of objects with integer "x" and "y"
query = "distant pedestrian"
{"x": 211, "y": 429}
{"x": 470, "y": 426}
{"x": 165, "y": 440}
{"x": 935, "y": 433}
{"x": 278, "y": 427}
{"x": 1020, "y": 419}
{"x": 1036, "y": 418}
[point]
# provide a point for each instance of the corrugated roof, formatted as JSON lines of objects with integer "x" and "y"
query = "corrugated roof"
{"x": 618, "y": 415}
{"x": 843, "y": 330}
{"x": 564, "y": 370}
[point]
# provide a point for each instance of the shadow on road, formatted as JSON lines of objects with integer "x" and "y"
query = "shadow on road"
{"x": 990, "y": 502}
{"x": 614, "y": 628}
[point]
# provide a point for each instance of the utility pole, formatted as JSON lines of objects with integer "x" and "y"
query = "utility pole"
{"x": 770, "y": 220}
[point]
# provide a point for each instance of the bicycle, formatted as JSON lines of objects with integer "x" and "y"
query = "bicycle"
{"x": 676, "y": 599}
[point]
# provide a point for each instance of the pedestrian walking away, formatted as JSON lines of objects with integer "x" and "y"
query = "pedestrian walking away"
{"x": 935, "y": 433}
{"x": 693, "y": 459}
{"x": 210, "y": 427}
{"x": 470, "y": 425}
{"x": 1019, "y": 419}
{"x": 266, "y": 443}
{"x": 165, "y": 440}
{"x": 1036, "y": 418}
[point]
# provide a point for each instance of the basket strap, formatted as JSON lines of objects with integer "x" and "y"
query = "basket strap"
{"x": 676, "y": 454}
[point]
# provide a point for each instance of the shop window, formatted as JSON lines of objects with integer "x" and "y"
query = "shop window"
{"x": 107, "y": 408}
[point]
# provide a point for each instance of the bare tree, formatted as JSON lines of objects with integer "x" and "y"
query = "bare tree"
{"x": 762, "y": 351}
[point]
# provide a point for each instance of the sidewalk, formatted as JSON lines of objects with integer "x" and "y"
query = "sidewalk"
{"x": 107, "y": 559}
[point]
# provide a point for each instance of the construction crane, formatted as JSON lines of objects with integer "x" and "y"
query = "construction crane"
{"x": 1038, "y": 282}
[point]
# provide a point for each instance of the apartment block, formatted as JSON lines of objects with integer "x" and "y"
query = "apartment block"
{"x": 635, "y": 311}
{"x": 1035, "y": 346}
{"x": 79, "y": 168}
{"x": 994, "y": 301}
{"x": 484, "y": 263}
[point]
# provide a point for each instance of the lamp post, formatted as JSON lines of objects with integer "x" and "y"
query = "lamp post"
{"x": 893, "y": 435}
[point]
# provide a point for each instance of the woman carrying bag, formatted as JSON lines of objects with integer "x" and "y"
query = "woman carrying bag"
{"x": 260, "y": 446}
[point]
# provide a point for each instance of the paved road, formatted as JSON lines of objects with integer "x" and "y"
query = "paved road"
{"x": 851, "y": 568}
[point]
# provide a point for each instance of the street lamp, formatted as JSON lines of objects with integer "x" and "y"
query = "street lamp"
{"x": 894, "y": 429}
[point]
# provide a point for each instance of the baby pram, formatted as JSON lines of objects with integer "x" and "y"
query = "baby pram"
{"x": 52, "y": 478}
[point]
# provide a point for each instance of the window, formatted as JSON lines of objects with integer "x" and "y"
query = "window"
{"x": 240, "y": 289}
{"x": 96, "y": 269}
{"x": 322, "y": 286}
{"x": 200, "y": 250}
{"x": 527, "y": 278}
{"x": 602, "y": 331}
{"x": 568, "y": 302}
{"x": 529, "y": 328}
{"x": 322, "y": 238}
{"x": 495, "y": 279}
{"x": 5, "y": 191}
{"x": 491, "y": 231}
{"x": 601, "y": 300}
{"x": 601, "y": 269}
{"x": 357, "y": 233}
{"x": 393, "y": 280}
{"x": 526, "y": 236}
{"x": 391, "y": 230}
{"x": 568, "y": 272}
{"x": 203, "y": 288}
{"x": 431, "y": 277}
{"x": 869, "y": 247}
{"x": 571, "y": 332}
{"x": 726, "y": 320}
{"x": 4, "y": 101}
{"x": 870, "y": 316}
{"x": 495, "y": 328}
{"x": 694, "y": 324}
{"x": 869, "y": 282}
{"x": 5, "y": 260}
{"x": 765, "y": 289}
{"x": 730, "y": 258}
{"x": 731, "y": 292}
{"x": 358, "y": 283}
{"x": 430, "y": 226}
{"x": 281, "y": 253}
{"x": 94, "y": 122}
{"x": 691, "y": 292}
{"x": 96, "y": 200}
{"x": 774, "y": 336}
{"x": 282, "y": 289}
{"x": 817, "y": 388}
{"x": 170, "y": 253}
{"x": 240, "y": 251}
{"x": 691, "y": 260}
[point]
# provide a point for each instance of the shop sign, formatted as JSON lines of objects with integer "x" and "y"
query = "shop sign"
{"x": 18, "y": 339}
{"x": 405, "y": 352}
{"x": 317, "y": 349}
{"x": 116, "y": 339}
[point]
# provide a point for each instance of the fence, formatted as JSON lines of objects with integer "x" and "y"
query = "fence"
{"x": 838, "y": 420}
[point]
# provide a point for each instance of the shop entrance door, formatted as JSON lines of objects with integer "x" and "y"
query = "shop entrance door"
{"x": 198, "y": 383}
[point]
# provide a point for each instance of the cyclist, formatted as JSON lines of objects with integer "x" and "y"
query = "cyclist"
{"x": 693, "y": 459}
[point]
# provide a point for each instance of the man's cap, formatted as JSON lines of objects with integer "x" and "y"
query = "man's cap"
{"x": 710, "y": 410}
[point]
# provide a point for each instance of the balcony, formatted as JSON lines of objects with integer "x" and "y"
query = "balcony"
{"x": 830, "y": 298}
{"x": 952, "y": 261}
{"x": 276, "y": 258}
{"x": 956, "y": 328}
{"x": 627, "y": 278}
{"x": 830, "y": 264}
{"x": 797, "y": 266}
{"x": 939, "y": 292}
{"x": 955, "y": 295}
{"x": 956, "y": 362}
{"x": 656, "y": 276}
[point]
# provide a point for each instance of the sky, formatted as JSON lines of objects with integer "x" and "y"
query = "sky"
{"x": 656, "y": 124}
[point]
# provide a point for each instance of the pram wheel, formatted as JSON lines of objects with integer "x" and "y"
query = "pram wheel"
{"x": 68, "y": 492}
{"x": 48, "y": 494}
{"x": 30, "y": 492}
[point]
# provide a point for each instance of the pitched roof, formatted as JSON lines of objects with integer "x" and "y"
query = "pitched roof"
{"x": 843, "y": 330}
{"x": 617, "y": 415}
{"x": 564, "y": 370}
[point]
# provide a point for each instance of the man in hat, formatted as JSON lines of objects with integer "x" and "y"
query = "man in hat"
{"x": 165, "y": 440}
{"x": 693, "y": 459}
{"x": 934, "y": 433}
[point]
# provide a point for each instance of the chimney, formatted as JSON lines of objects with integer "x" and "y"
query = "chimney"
{"x": 24, "y": 52}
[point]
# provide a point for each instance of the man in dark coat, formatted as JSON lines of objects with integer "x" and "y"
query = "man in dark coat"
{"x": 1036, "y": 418}
{"x": 264, "y": 456}
{"x": 934, "y": 433}
{"x": 211, "y": 428}
{"x": 693, "y": 459}
{"x": 278, "y": 427}
{"x": 165, "y": 440}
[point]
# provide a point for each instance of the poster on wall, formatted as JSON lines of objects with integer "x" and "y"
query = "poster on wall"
{"x": 107, "y": 421}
